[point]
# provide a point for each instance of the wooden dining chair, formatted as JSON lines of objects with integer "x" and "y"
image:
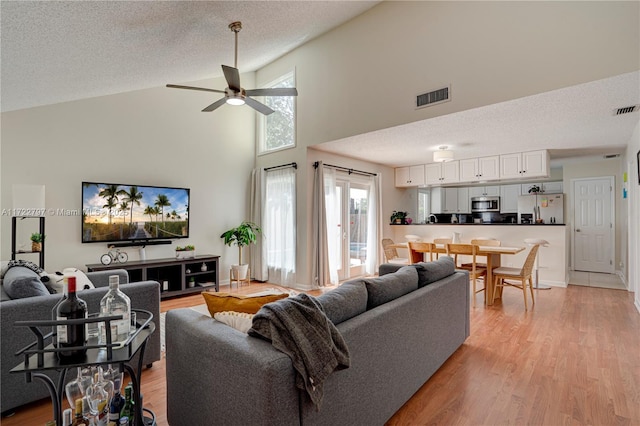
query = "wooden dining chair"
{"x": 418, "y": 249}
{"x": 442, "y": 242}
{"x": 489, "y": 242}
{"x": 391, "y": 254}
{"x": 475, "y": 272}
{"x": 523, "y": 275}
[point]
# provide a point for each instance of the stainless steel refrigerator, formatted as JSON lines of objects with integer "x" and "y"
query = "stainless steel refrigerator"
{"x": 547, "y": 207}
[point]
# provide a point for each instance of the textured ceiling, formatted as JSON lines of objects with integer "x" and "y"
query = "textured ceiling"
{"x": 571, "y": 122}
{"x": 57, "y": 51}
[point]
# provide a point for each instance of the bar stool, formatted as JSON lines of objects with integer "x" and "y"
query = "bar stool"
{"x": 543, "y": 243}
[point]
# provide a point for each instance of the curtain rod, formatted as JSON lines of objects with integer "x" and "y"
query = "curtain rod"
{"x": 345, "y": 169}
{"x": 294, "y": 165}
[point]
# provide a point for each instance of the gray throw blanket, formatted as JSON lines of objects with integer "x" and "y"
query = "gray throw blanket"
{"x": 298, "y": 327}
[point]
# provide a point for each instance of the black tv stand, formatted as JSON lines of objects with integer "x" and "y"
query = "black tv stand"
{"x": 140, "y": 243}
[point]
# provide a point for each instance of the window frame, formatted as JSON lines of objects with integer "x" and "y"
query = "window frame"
{"x": 262, "y": 119}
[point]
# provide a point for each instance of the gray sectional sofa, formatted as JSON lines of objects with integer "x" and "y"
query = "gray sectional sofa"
{"x": 14, "y": 390}
{"x": 400, "y": 328}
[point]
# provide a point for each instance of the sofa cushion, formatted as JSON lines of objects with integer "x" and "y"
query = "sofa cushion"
{"x": 238, "y": 320}
{"x": 220, "y": 302}
{"x": 386, "y": 288}
{"x": 344, "y": 302}
{"x": 20, "y": 282}
{"x": 429, "y": 272}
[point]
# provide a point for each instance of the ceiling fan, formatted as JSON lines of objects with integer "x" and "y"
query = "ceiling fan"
{"x": 234, "y": 94}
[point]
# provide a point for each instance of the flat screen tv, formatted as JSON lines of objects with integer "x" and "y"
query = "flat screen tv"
{"x": 133, "y": 213}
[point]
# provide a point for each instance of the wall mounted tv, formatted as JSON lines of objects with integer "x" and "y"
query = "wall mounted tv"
{"x": 133, "y": 213}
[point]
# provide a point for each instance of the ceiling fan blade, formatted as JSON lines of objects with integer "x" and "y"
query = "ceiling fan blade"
{"x": 276, "y": 91}
{"x": 176, "y": 86}
{"x": 258, "y": 106}
{"x": 216, "y": 104}
{"x": 233, "y": 77}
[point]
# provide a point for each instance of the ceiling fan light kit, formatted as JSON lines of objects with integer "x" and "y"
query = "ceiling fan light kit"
{"x": 443, "y": 155}
{"x": 234, "y": 94}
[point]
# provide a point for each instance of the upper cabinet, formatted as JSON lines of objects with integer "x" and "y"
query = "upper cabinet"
{"x": 484, "y": 191}
{"x": 509, "y": 198}
{"x": 480, "y": 169}
{"x": 442, "y": 173}
{"x": 410, "y": 176}
{"x": 524, "y": 165}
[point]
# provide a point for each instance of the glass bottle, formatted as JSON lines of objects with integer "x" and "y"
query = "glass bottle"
{"x": 116, "y": 406}
{"x": 129, "y": 409}
{"x": 67, "y": 417}
{"x": 115, "y": 302}
{"x": 54, "y": 310}
{"x": 72, "y": 335}
{"x": 80, "y": 419}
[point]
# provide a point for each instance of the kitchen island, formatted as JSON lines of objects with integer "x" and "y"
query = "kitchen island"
{"x": 553, "y": 260}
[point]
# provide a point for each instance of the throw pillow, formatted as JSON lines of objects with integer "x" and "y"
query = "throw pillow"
{"x": 429, "y": 272}
{"x": 220, "y": 302}
{"x": 56, "y": 282}
{"x": 344, "y": 302}
{"x": 82, "y": 281}
{"x": 238, "y": 320}
{"x": 386, "y": 288}
{"x": 20, "y": 282}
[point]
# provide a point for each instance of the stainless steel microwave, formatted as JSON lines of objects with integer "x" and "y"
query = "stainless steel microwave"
{"x": 485, "y": 204}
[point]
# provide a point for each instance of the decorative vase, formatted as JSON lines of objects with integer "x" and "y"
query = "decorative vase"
{"x": 36, "y": 247}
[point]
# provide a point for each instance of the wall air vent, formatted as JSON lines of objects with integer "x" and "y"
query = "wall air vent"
{"x": 627, "y": 110}
{"x": 433, "y": 97}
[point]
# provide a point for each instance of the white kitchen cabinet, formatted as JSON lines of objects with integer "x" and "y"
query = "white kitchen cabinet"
{"x": 449, "y": 200}
{"x": 524, "y": 165}
{"x": 410, "y": 176}
{"x": 509, "y": 198}
{"x": 442, "y": 173}
{"x": 484, "y": 191}
{"x": 554, "y": 187}
{"x": 480, "y": 169}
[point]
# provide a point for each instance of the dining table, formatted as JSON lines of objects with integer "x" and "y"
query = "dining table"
{"x": 493, "y": 255}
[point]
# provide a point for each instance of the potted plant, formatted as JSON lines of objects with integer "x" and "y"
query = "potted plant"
{"x": 36, "y": 242}
{"x": 399, "y": 218}
{"x": 186, "y": 252}
{"x": 243, "y": 235}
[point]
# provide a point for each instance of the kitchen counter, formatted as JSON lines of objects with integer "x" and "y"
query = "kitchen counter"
{"x": 553, "y": 259}
{"x": 482, "y": 224}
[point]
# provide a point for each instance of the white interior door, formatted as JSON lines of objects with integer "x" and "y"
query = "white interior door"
{"x": 593, "y": 228}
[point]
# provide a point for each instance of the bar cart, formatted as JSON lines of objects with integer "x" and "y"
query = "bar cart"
{"x": 40, "y": 356}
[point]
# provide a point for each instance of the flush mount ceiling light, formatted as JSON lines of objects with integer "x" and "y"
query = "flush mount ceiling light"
{"x": 442, "y": 156}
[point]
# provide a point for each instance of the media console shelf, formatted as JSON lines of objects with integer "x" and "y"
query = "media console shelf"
{"x": 177, "y": 277}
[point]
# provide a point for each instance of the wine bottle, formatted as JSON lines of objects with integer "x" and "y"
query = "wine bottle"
{"x": 54, "y": 310}
{"x": 115, "y": 302}
{"x": 80, "y": 419}
{"x": 129, "y": 408}
{"x": 71, "y": 335}
{"x": 116, "y": 406}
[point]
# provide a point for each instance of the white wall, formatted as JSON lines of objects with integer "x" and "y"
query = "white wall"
{"x": 364, "y": 75}
{"x": 147, "y": 137}
{"x": 633, "y": 214}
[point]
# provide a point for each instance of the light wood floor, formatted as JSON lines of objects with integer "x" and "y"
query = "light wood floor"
{"x": 573, "y": 359}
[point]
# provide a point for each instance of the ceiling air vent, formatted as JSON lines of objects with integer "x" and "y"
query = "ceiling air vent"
{"x": 627, "y": 110}
{"x": 433, "y": 97}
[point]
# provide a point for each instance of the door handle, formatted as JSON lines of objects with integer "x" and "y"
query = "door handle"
{"x": 577, "y": 230}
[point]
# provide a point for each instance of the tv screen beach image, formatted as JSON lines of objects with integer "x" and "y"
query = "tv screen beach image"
{"x": 114, "y": 212}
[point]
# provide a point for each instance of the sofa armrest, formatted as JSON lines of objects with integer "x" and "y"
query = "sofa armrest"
{"x": 101, "y": 278}
{"x": 232, "y": 378}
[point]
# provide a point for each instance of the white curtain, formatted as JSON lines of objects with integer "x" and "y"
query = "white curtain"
{"x": 373, "y": 226}
{"x": 258, "y": 261}
{"x": 333, "y": 232}
{"x": 279, "y": 225}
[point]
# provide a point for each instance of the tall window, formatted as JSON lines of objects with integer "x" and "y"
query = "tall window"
{"x": 280, "y": 225}
{"x": 278, "y": 130}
